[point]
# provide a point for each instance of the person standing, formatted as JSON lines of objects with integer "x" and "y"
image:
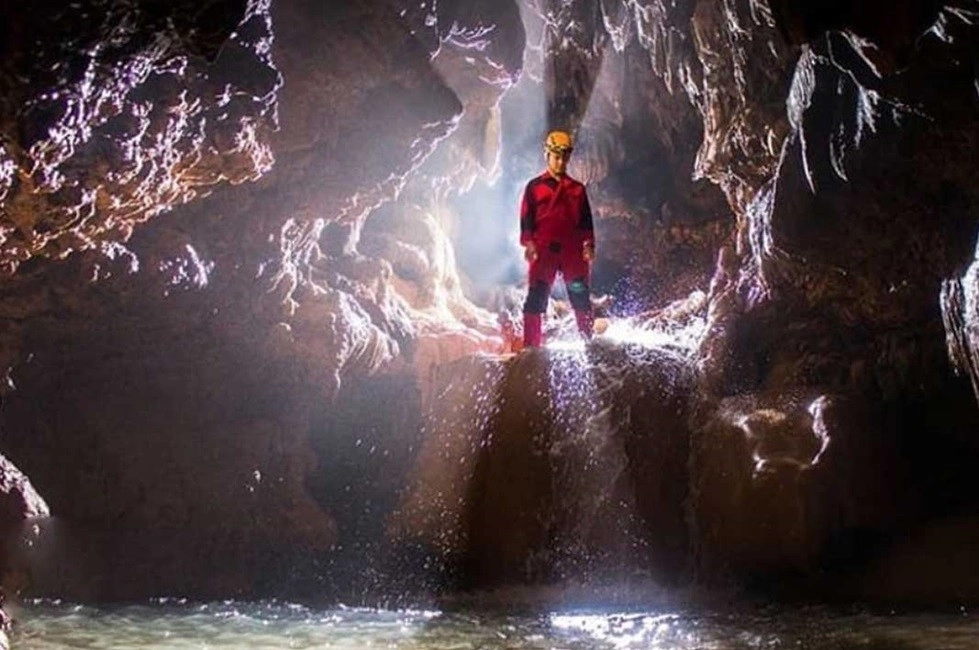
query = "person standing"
{"x": 558, "y": 236}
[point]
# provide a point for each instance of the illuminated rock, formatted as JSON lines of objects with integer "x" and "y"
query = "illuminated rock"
{"x": 555, "y": 466}
{"x": 123, "y": 115}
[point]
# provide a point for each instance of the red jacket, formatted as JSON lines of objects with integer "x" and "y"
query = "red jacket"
{"x": 565, "y": 218}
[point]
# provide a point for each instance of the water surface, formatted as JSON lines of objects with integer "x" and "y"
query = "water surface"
{"x": 175, "y": 624}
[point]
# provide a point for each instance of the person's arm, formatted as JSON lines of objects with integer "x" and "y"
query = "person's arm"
{"x": 528, "y": 224}
{"x": 586, "y": 224}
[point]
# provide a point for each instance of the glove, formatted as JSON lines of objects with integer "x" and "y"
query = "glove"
{"x": 530, "y": 251}
{"x": 588, "y": 251}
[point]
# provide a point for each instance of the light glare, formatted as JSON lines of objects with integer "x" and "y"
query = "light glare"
{"x": 623, "y": 630}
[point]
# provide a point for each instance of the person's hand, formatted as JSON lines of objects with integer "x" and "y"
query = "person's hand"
{"x": 588, "y": 251}
{"x": 530, "y": 251}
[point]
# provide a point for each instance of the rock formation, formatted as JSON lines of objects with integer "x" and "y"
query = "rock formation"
{"x": 231, "y": 231}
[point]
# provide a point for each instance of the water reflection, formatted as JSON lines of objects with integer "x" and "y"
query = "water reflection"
{"x": 627, "y": 631}
{"x": 173, "y": 624}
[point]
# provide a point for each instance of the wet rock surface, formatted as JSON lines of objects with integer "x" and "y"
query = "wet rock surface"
{"x": 567, "y": 466}
{"x": 604, "y": 465}
{"x": 783, "y": 481}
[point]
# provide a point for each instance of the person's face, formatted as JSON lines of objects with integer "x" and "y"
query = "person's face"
{"x": 557, "y": 162}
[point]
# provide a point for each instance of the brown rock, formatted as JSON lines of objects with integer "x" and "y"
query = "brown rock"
{"x": 564, "y": 466}
{"x": 779, "y": 477}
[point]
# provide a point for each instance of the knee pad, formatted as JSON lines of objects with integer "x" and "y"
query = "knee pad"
{"x": 536, "y": 302}
{"x": 578, "y": 294}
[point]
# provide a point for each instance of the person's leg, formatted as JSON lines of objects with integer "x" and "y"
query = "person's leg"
{"x": 586, "y": 322}
{"x": 540, "y": 278}
{"x": 576, "y": 274}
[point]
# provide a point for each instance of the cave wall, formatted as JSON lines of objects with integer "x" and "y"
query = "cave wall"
{"x": 217, "y": 330}
{"x": 217, "y": 218}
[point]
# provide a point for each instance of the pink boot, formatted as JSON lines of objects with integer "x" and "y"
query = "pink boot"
{"x": 531, "y": 330}
{"x": 586, "y": 322}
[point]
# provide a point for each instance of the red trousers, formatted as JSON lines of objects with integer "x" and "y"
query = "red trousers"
{"x": 552, "y": 258}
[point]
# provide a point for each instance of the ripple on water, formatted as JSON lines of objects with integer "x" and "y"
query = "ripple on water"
{"x": 175, "y": 624}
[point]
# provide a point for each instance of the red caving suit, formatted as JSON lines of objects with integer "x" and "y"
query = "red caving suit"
{"x": 556, "y": 216}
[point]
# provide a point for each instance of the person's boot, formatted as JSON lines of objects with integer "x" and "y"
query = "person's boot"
{"x": 531, "y": 330}
{"x": 586, "y": 322}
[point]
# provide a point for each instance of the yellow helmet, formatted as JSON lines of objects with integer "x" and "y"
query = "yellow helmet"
{"x": 559, "y": 142}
